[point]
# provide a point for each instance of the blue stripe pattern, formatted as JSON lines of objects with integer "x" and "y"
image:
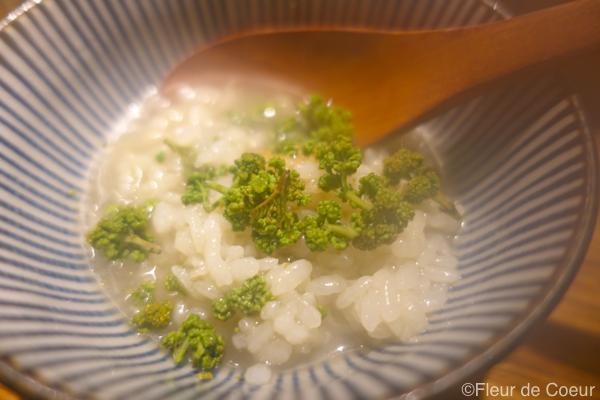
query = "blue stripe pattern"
{"x": 519, "y": 160}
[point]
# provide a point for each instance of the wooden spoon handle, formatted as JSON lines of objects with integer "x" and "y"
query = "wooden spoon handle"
{"x": 490, "y": 51}
{"x": 448, "y": 62}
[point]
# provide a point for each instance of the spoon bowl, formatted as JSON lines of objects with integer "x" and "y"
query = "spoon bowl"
{"x": 391, "y": 80}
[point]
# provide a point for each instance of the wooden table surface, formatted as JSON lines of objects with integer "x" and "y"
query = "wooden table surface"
{"x": 565, "y": 349}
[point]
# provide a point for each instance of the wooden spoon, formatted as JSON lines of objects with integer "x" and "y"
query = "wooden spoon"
{"x": 392, "y": 79}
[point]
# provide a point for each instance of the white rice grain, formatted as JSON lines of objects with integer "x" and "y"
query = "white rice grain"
{"x": 258, "y": 374}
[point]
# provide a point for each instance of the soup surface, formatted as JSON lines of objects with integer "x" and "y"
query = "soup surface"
{"x": 319, "y": 301}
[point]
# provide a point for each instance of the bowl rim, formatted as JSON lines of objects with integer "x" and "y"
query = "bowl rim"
{"x": 545, "y": 304}
{"x": 27, "y": 384}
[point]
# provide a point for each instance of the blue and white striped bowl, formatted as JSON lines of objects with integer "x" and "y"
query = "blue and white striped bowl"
{"x": 520, "y": 158}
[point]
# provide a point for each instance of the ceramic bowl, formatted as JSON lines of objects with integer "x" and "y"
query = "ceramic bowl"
{"x": 519, "y": 158}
